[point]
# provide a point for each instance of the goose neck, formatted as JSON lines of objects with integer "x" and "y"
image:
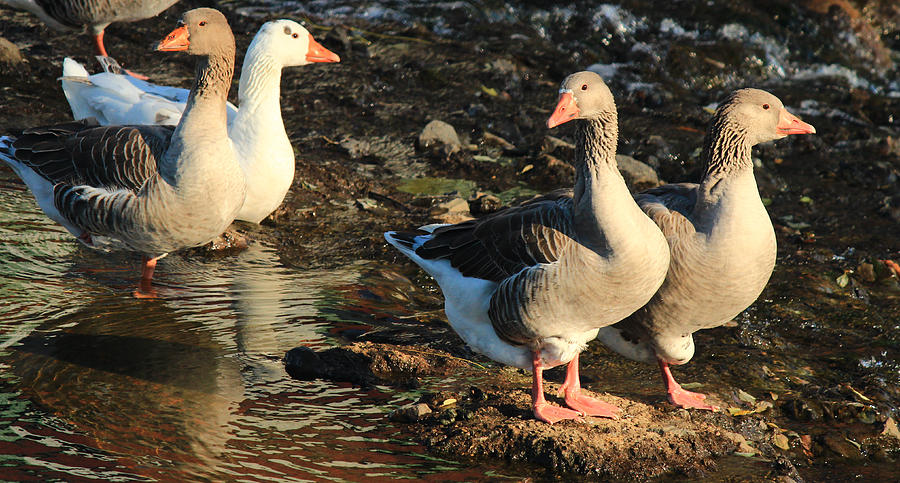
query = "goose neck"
{"x": 260, "y": 79}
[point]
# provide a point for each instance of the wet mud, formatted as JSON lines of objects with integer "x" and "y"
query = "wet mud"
{"x": 807, "y": 377}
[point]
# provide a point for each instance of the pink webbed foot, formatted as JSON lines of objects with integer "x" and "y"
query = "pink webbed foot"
{"x": 571, "y": 390}
{"x": 687, "y": 399}
{"x": 592, "y": 407}
{"x": 543, "y": 410}
{"x": 549, "y": 413}
{"x": 679, "y": 396}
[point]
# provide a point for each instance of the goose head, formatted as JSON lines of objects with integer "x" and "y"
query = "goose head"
{"x": 759, "y": 116}
{"x": 202, "y": 31}
{"x": 582, "y": 95}
{"x": 291, "y": 44}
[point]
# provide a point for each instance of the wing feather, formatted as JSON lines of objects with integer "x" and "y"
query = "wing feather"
{"x": 83, "y": 153}
{"x": 497, "y": 246}
{"x": 670, "y": 207}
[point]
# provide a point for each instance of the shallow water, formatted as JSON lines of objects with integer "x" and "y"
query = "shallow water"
{"x": 190, "y": 385}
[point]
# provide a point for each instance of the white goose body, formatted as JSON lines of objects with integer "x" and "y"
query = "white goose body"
{"x": 256, "y": 129}
{"x": 721, "y": 240}
{"x": 531, "y": 285}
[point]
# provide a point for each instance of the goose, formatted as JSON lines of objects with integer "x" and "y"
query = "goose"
{"x": 145, "y": 189}
{"x": 530, "y": 286}
{"x": 257, "y": 130}
{"x": 721, "y": 240}
{"x": 95, "y": 14}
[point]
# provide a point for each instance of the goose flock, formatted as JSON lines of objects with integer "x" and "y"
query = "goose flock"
{"x": 153, "y": 169}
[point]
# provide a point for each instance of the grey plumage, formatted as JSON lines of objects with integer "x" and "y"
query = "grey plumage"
{"x": 721, "y": 240}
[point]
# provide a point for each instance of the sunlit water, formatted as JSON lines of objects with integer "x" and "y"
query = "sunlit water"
{"x": 97, "y": 384}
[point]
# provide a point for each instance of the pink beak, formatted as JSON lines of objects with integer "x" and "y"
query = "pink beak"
{"x": 565, "y": 111}
{"x": 791, "y": 124}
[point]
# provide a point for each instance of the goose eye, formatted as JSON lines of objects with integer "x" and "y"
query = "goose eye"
{"x": 584, "y": 87}
{"x": 203, "y": 23}
{"x": 765, "y": 106}
{"x": 295, "y": 35}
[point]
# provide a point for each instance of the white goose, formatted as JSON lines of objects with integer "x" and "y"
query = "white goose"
{"x": 531, "y": 285}
{"x": 144, "y": 188}
{"x": 721, "y": 238}
{"x": 257, "y": 129}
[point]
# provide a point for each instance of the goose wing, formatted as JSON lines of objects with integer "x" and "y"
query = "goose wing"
{"x": 83, "y": 153}
{"x": 498, "y": 246}
{"x": 670, "y": 207}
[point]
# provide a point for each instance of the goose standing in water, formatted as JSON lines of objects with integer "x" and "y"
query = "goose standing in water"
{"x": 257, "y": 129}
{"x": 531, "y": 285}
{"x": 145, "y": 189}
{"x": 721, "y": 240}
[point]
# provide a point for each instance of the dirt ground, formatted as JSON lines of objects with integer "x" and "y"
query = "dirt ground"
{"x": 354, "y": 127}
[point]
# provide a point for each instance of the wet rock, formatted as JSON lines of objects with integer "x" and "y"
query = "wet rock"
{"x": 639, "y": 176}
{"x": 489, "y": 139}
{"x": 410, "y": 414}
{"x": 781, "y": 441}
{"x": 367, "y": 364}
{"x": 484, "y": 204}
{"x": 558, "y": 147}
{"x": 840, "y": 446}
{"x": 803, "y": 410}
{"x": 890, "y": 429}
{"x": 10, "y": 53}
{"x": 549, "y": 172}
{"x": 439, "y": 136}
{"x": 228, "y": 242}
{"x": 455, "y": 210}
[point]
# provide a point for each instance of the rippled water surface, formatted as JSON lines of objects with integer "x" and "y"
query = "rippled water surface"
{"x": 97, "y": 384}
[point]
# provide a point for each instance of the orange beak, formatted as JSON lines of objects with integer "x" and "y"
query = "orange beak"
{"x": 317, "y": 53}
{"x": 791, "y": 124}
{"x": 565, "y": 111}
{"x": 175, "y": 41}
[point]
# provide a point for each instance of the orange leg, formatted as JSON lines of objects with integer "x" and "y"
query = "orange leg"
{"x": 98, "y": 41}
{"x": 145, "y": 289}
{"x": 543, "y": 410}
{"x": 571, "y": 388}
{"x": 101, "y": 50}
{"x": 680, "y": 397}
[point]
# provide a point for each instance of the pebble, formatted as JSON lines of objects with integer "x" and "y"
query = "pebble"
{"x": 439, "y": 134}
{"x": 9, "y": 52}
{"x": 455, "y": 210}
{"x": 890, "y": 429}
{"x": 638, "y": 175}
{"x": 410, "y": 414}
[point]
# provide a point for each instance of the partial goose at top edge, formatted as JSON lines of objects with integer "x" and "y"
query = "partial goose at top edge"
{"x": 531, "y": 285}
{"x": 95, "y": 14}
